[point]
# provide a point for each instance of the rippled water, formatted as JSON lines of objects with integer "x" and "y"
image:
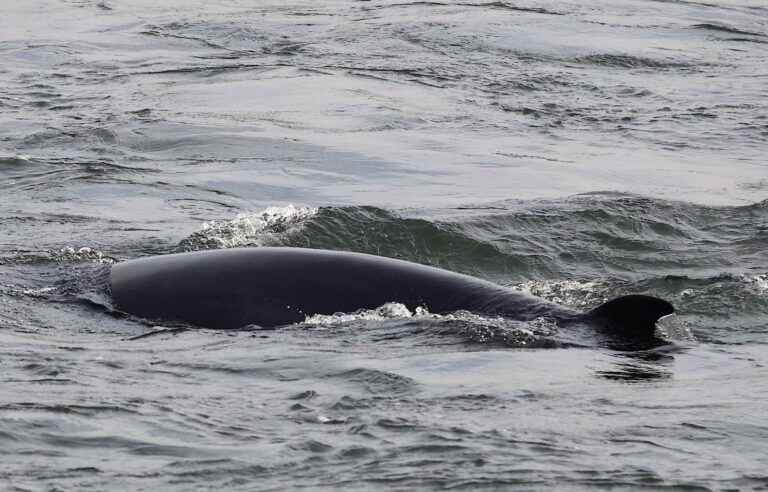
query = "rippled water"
{"x": 577, "y": 151}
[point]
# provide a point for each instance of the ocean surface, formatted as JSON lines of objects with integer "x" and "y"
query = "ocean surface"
{"x": 574, "y": 150}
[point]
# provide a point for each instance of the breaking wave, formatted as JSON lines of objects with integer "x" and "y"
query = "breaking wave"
{"x": 248, "y": 229}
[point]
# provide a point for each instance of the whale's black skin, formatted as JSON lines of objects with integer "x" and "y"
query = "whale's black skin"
{"x": 268, "y": 287}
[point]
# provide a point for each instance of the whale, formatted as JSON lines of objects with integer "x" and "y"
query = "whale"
{"x": 270, "y": 287}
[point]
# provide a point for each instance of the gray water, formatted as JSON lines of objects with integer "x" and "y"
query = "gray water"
{"x": 574, "y": 150}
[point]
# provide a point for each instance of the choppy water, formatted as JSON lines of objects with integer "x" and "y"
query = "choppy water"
{"x": 576, "y": 150}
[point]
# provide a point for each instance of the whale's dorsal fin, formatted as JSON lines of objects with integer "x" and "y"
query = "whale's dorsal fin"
{"x": 632, "y": 316}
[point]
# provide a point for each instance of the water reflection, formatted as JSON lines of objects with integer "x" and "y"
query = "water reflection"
{"x": 644, "y": 365}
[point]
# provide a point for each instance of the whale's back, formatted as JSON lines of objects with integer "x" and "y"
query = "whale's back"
{"x": 276, "y": 286}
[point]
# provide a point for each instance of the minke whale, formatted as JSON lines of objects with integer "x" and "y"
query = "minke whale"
{"x": 271, "y": 287}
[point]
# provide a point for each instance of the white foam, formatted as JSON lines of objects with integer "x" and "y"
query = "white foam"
{"x": 390, "y": 310}
{"x": 41, "y": 292}
{"x": 758, "y": 282}
{"x": 575, "y": 293}
{"x": 673, "y": 327}
{"x": 81, "y": 254}
{"x": 512, "y": 333}
{"x": 475, "y": 327}
{"x": 257, "y": 228}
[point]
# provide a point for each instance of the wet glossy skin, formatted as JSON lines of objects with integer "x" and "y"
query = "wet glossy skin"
{"x": 278, "y": 286}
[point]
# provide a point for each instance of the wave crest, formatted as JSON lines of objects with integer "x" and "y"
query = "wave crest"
{"x": 248, "y": 229}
